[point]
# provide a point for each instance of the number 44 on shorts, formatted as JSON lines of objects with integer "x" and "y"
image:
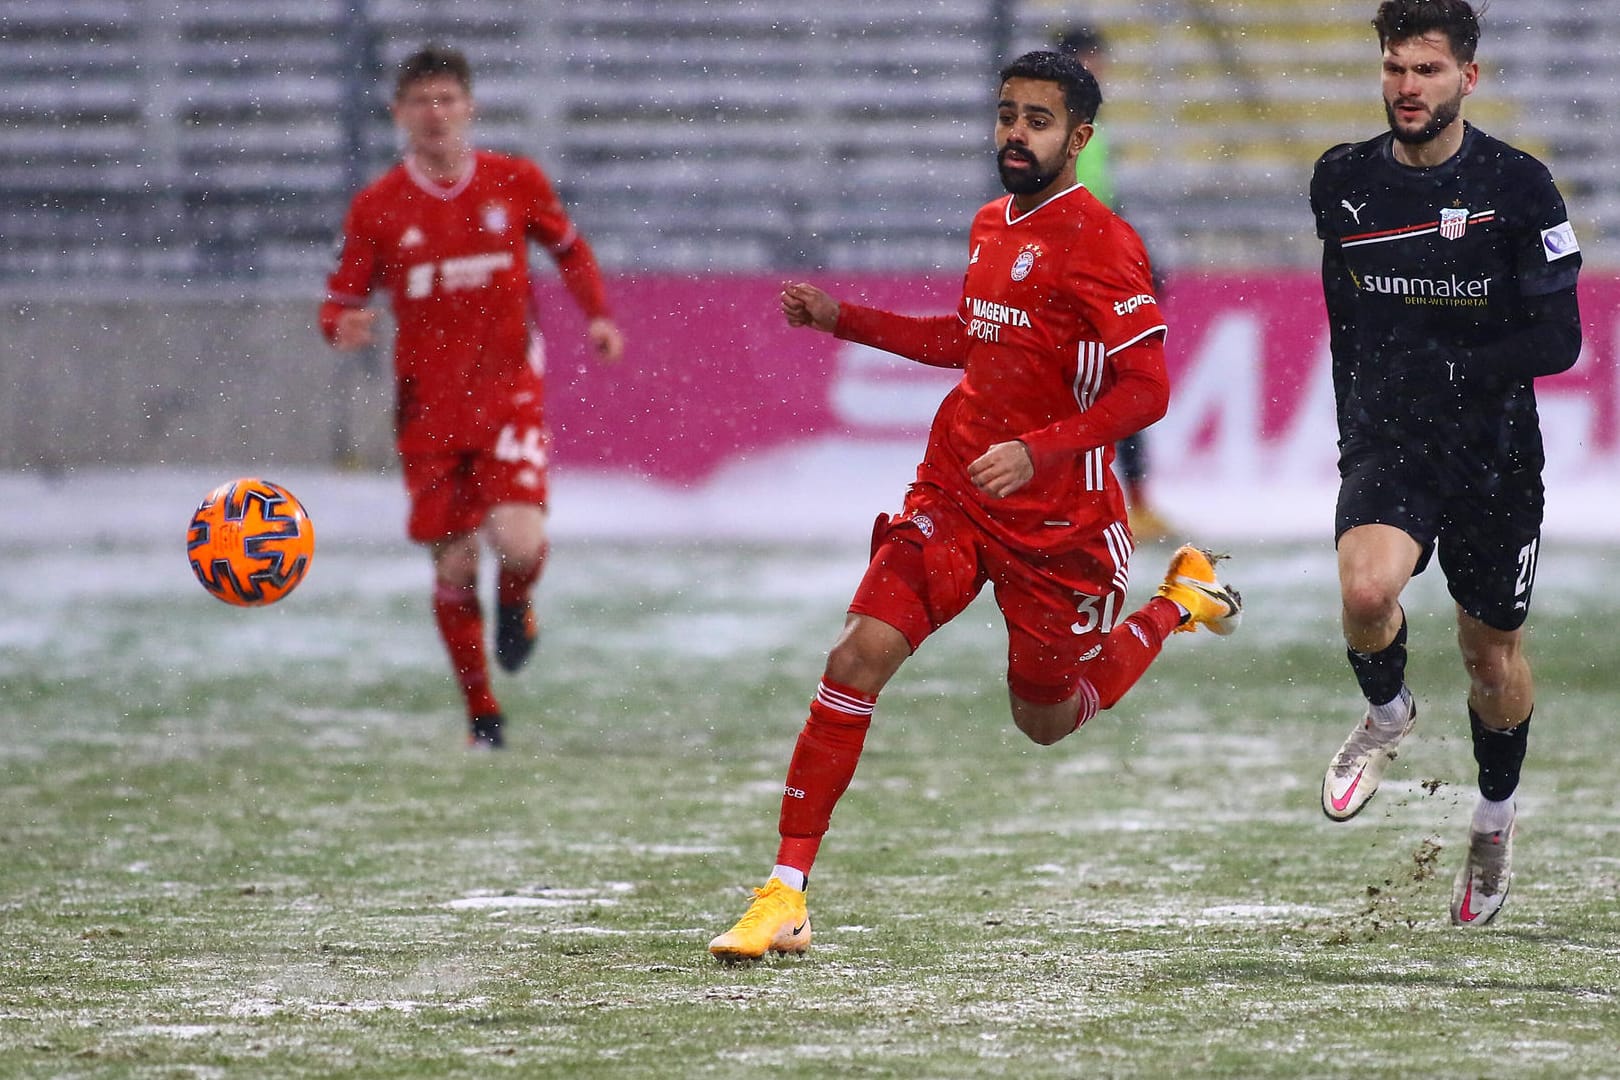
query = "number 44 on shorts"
{"x": 526, "y": 445}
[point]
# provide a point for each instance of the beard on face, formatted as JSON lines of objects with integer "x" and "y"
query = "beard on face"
{"x": 1030, "y": 181}
{"x": 1440, "y": 119}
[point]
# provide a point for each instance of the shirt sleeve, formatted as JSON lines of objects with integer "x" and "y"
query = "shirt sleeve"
{"x": 546, "y": 219}
{"x": 349, "y": 283}
{"x": 1319, "y": 199}
{"x": 1337, "y": 292}
{"x": 1546, "y": 253}
{"x": 548, "y": 224}
{"x": 935, "y": 340}
{"x": 1111, "y": 283}
{"x": 583, "y": 279}
{"x": 1138, "y": 396}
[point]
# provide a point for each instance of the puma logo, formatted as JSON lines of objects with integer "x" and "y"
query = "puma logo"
{"x": 1355, "y": 211}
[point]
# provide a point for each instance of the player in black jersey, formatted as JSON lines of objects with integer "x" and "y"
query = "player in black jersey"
{"x": 1449, "y": 267}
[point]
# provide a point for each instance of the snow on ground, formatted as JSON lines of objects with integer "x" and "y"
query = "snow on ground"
{"x": 827, "y": 490}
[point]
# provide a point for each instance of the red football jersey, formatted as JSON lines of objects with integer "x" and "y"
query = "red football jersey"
{"x": 1049, "y": 301}
{"x": 454, "y": 261}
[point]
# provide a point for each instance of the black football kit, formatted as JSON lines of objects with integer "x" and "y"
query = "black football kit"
{"x": 1449, "y": 289}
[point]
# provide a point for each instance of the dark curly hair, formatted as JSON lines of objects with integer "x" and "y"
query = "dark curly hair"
{"x": 1081, "y": 94}
{"x": 432, "y": 60}
{"x": 1400, "y": 20}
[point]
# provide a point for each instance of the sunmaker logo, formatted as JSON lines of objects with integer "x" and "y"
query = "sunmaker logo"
{"x": 1450, "y": 291}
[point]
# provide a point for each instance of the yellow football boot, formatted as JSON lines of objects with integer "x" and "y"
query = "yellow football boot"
{"x": 777, "y": 921}
{"x": 1191, "y": 582}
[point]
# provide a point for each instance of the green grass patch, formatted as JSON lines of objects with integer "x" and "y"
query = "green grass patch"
{"x": 252, "y": 842}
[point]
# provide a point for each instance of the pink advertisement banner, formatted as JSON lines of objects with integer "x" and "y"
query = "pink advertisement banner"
{"x": 713, "y": 377}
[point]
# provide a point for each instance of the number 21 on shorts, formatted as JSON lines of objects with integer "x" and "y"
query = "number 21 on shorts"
{"x": 1527, "y": 574}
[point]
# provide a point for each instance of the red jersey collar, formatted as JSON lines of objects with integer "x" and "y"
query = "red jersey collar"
{"x": 1013, "y": 220}
{"x": 433, "y": 187}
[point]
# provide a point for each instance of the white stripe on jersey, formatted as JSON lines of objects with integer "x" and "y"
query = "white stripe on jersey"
{"x": 1091, "y": 361}
{"x": 1118, "y": 539}
{"x": 1088, "y": 373}
{"x": 1090, "y": 702}
{"x": 1430, "y": 231}
{"x": 1094, "y": 468}
{"x": 1160, "y": 329}
{"x": 1407, "y": 234}
{"x": 838, "y": 701}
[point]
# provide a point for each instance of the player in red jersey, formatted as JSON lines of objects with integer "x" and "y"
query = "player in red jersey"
{"x": 1060, "y": 344}
{"x": 446, "y": 233}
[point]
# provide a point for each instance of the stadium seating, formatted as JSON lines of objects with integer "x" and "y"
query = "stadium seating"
{"x": 1217, "y": 111}
{"x": 222, "y": 140}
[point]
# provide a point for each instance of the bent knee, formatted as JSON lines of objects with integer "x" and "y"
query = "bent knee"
{"x": 1045, "y": 724}
{"x": 1045, "y": 732}
{"x": 1492, "y": 671}
{"x": 867, "y": 656}
{"x": 1369, "y": 601}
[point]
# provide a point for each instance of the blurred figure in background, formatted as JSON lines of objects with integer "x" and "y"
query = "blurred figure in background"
{"x": 446, "y": 232}
{"x": 1087, "y": 45}
{"x": 1449, "y": 267}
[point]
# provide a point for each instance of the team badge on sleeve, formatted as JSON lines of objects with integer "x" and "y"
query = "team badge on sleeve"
{"x": 1559, "y": 241}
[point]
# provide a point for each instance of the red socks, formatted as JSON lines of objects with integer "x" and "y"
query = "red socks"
{"x": 461, "y": 625}
{"x": 823, "y": 764}
{"x": 1129, "y": 649}
{"x": 830, "y": 745}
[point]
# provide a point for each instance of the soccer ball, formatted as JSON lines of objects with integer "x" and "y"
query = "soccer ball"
{"x": 250, "y": 542}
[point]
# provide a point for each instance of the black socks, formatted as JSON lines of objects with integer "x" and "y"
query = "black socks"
{"x": 1500, "y": 755}
{"x": 1381, "y": 674}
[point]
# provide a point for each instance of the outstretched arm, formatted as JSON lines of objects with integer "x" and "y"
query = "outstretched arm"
{"x": 934, "y": 340}
{"x": 583, "y": 280}
{"x": 805, "y": 305}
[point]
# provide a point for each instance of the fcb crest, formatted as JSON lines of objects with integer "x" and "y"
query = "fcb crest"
{"x": 1025, "y": 262}
{"x": 495, "y": 220}
{"x": 1453, "y": 222}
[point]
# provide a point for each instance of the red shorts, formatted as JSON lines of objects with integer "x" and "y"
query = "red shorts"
{"x": 930, "y": 562}
{"x": 451, "y": 494}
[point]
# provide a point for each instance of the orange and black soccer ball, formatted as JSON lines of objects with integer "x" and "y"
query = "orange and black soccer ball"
{"x": 250, "y": 542}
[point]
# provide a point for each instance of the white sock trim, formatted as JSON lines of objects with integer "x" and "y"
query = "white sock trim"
{"x": 790, "y": 876}
{"x": 839, "y": 701}
{"x": 1392, "y": 713}
{"x": 1491, "y": 816}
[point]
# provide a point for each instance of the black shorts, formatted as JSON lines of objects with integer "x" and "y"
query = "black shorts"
{"x": 1488, "y": 533}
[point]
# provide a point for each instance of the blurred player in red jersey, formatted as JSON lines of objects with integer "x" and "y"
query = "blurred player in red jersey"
{"x": 1060, "y": 344}
{"x": 446, "y": 233}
